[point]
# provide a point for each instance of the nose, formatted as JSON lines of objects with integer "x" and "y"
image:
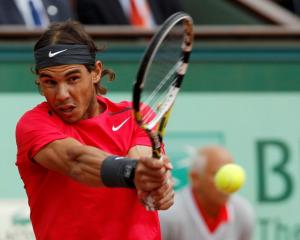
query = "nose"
{"x": 62, "y": 93}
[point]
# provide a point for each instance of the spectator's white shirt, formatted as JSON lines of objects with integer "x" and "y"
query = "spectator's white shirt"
{"x": 183, "y": 221}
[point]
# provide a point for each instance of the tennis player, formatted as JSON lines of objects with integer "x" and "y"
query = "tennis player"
{"x": 201, "y": 211}
{"x": 84, "y": 162}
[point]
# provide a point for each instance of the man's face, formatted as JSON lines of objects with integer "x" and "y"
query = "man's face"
{"x": 203, "y": 182}
{"x": 70, "y": 91}
{"x": 208, "y": 184}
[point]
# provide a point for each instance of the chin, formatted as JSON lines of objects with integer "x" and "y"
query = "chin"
{"x": 70, "y": 119}
{"x": 221, "y": 200}
{"x": 224, "y": 200}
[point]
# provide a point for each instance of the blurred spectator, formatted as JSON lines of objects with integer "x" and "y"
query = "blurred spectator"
{"x": 201, "y": 211}
{"x": 34, "y": 13}
{"x": 143, "y": 13}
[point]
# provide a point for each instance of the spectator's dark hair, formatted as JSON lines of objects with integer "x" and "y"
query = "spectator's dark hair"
{"x": 72, "y": 32}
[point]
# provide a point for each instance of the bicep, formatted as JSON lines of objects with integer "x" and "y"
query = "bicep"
{"x": 71, "y": 158}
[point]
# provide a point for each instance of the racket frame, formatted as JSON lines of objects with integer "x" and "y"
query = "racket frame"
{"x": 156, "y": 127}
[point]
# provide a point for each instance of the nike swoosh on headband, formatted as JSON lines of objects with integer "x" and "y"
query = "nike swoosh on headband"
{"x": 52, "y": 54}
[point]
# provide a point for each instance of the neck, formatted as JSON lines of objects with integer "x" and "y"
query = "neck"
{"x": 210, "y": 208}
{"x": 95, "y": 108}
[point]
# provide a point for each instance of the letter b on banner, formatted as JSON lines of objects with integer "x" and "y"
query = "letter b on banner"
{"x": 273, "y": 166}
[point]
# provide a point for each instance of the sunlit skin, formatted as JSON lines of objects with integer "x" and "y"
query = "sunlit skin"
{"x": 203, "y": 182}
{"x": 70, "y": 90}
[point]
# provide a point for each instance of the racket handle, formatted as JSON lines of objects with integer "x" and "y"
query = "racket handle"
{"x": 156, "y": 153}
{"x": 149, "y": 203}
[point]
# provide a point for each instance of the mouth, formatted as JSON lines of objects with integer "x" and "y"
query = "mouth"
{"x": 66, "y": 110}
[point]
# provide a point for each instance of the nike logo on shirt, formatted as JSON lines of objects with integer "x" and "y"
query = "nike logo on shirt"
{"x": 52, "y": 54}
{"x": 116, "y": 128}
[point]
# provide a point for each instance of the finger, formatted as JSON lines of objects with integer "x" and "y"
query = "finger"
{"x": 150, "y": 174}
{"x": 163, "y": 196}
{"x": 161, "y": 192}
{"x": 152, "y": 163}
{"x": 146, "y": 200}
{"x": 167, "y": 179}
{"x": 166, "y": 202}
{"x": 149, "y": 202}
{"x": 142, "y": 194}
{"x": 147, "y": 186}
{"x": 153, "y": 176}
{"x": 165, "y": 205}
{"x": 167, "y": 163}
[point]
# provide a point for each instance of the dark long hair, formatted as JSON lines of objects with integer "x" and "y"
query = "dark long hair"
{"x": 72, "y": 32}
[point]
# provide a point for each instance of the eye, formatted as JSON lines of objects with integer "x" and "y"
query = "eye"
{"x": 49, "y": 83}
{"x": 73, "y": 79}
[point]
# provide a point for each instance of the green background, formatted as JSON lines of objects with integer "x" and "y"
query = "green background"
{"x": 230, "y": 66}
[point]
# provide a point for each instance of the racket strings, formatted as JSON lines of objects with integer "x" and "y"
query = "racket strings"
{"x": 161, "y": 76}
{"x": 155, "y": 103}
{"x": 152, "y": 100}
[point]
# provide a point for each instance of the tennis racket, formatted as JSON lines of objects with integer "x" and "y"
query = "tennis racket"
{"x": 160, "y": 76}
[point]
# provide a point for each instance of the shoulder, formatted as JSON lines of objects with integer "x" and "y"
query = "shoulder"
{"x": 115, "y": 107}
{"x": 240, "y": 203}
{"x": 37, "y": 118}
{"x": 40, "y": 111}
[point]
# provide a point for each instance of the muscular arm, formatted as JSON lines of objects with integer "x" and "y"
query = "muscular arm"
{"x": 83, "y": 163}
{"x": 71, "y": 158}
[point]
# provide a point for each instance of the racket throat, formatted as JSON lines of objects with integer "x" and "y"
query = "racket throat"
{"x": 156, "y": 140}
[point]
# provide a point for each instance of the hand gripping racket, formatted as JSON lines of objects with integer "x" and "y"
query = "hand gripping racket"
{"x": 160, "y": 76}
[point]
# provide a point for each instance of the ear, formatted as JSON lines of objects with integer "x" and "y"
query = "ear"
{"x": 97, "y": 72}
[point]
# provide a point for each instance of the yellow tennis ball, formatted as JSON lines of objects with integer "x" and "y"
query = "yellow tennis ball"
{"x": 230, "y": 178}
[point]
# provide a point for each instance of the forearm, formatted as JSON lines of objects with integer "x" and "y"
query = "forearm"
{"x": 85, "y": 165}
{"x": 71, "y": 158}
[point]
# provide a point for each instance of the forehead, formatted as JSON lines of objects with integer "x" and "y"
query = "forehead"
{"x": 216, "y": 159}
{"x": 62, "y": 70}
{"x": 214, "y": 166}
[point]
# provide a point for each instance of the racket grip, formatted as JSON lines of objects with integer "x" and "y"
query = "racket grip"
{"x": 149, "y": 203}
